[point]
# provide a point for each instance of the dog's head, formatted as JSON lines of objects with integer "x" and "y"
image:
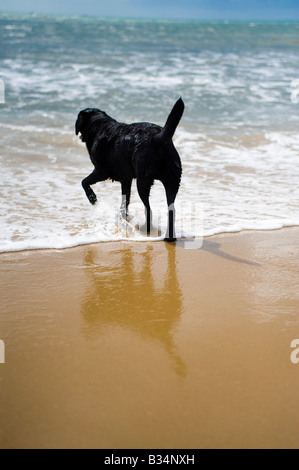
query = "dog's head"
{"x": 83, "y": 121}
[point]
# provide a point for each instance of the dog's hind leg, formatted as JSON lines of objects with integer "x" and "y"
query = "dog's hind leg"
{"x": 125, "y": 198}
{"x": 170, "y": 196}
{"x": 144, "y": 187}
{"x": 93, "y": 178}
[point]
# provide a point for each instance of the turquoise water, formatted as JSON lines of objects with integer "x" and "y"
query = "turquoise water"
{"x": 238, "y": 138}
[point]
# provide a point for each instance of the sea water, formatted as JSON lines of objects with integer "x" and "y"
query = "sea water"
{"x": 238, "y": 138}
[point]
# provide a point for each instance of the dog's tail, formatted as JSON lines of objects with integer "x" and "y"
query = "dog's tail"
{"x": 173, "y": 120}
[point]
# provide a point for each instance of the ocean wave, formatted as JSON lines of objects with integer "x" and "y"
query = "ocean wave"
{"x": 60, "y": 243}
{"x": 239, "y": 183}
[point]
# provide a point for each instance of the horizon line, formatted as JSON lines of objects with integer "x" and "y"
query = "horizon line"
{"x": 145, "y": 18}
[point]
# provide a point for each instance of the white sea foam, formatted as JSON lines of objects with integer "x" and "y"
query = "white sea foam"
{"x": 226, "y": 187}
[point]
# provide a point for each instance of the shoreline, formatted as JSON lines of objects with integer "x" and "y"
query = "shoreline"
{"x": 132, "y": 240}
{"x": 122, "y": 345}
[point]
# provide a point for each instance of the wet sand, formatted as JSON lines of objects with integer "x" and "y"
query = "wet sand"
{"x": 149, "y": 345}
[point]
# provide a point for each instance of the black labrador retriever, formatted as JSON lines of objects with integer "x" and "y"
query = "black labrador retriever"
{"x": 142, "y": 150}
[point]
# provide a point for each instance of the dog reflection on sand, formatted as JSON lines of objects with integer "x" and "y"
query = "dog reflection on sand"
{"x": 125, "y": 296}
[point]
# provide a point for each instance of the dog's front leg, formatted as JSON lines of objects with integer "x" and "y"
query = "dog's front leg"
{"x": 144, "y": 187}
{"x": 93, "y": 178}
{"x": 125, "y": 198}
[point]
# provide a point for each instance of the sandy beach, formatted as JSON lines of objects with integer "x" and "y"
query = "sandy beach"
{"x": 113, "y": 340}
{"x": 148, "y": 345}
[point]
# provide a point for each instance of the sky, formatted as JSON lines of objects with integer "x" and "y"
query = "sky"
{"x": 172, "y": 9}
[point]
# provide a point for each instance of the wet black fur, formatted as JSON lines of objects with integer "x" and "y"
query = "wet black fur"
{"x": 122, "y": 152}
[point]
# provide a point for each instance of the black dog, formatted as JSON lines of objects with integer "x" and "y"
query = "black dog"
{"x": 142, "y": 150}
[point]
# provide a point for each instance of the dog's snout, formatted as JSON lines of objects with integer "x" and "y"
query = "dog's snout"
{"x": 77, "y": 127}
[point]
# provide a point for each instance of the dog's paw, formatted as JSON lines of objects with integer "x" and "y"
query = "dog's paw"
{"x": 170, "y": 240}
{"x": 125, "y": 215}
{"x": 145, "y": 229}
{"x": 91, "y": 197}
